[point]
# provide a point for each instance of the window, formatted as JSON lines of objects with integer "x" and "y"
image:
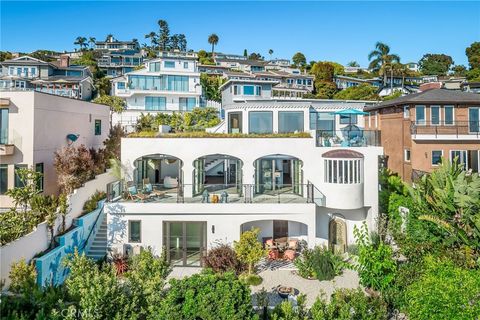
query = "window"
{"x": 449, "y": 115}
{"x": 98, "y": 127}
{"x": 435, "y": 115}
{"x": 154, "y": 67}
{"x": 290, "y": 121}
{"x": 437, "y": 157}
{"x": 134, "y": 231}
{"x": 376, "y": 119}
{"x": 407, "y": 155}
{"x": 19, "y": 183}
{"x": 235, "y": 91}
{"x": 187, "y": 104}
{"x": 258, "y": 91}
{"x": 3, "y": 178}
{"x": 420, "y": 115}
{"x": 406, "y": 112}
{"x": 4, "y": 126}
{"x": 309, "y": 82}
{"x": 33, "y": 71}
{"x": 234, "y": 122}
{"x": 121, "y": 85}
{"x": 260, "y": 122}
{"x": 155, "y": 103}
{"x": 248, "y": 90}
{"x": 322, "y": 121}
{"x": 39, "y": 169}
{"x": 185, "y": 65}
{"x": 169, "y": 64}
{"x": 348, "y": 119}
{"x": 460, "y": 156}
{"x": 347, "y": 171}
{"x": 474, "y": 119}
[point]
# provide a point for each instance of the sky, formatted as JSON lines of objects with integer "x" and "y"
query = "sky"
{"x": 332, "y": 31}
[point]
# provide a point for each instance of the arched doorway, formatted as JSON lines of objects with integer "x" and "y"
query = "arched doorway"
{"x": 337, "y": 235}
{"x": 217, "y": 172}
{"x": 161, "y": 170}
{"x": 278, "y": 173}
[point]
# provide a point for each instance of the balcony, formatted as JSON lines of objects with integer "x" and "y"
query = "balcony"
{"x": 215, "y": 193}
{"x": 348, "y": 138}
{"x": 7, "y": 149}
{"x": 459, "y": 130}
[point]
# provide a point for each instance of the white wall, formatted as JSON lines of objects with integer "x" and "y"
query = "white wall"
{"x": 25, "y": 247}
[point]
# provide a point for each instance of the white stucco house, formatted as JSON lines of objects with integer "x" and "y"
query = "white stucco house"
{"x": 188, "y": 194}
{"x": 33, "y": 125}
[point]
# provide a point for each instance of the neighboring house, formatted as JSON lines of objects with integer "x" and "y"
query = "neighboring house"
{"x": 119, "y": 62}
{"x": 58, "y": 78}
{"x": 205, "y": 191}
{"x": 351, "y": 70}
{"x": 417, "y": 130}
{"x": 170, "y": 83}
{"x": 344, "y": 82}
{"x": 278, "y": 63}
{"x": 239, "y": 90}
{"x": 470, "y": 86}
{"x": 113, "y": 44}
{"x": 413, "y": 66}
{"x": 291, "y": 82}
{"x": 241, "y": 65}
{"x": 33, "y": 125}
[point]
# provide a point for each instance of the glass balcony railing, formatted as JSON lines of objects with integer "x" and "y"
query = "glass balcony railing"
{"x": 215, "y": 193}
{"x": 347, "y": 138}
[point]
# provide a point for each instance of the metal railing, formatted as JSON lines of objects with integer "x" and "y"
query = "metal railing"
{"x": 348, "y": 138}
{"x": 215, "y": 193}
{"x": 445, "y": 128}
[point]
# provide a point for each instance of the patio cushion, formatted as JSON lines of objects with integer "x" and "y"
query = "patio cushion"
{"x": 292, "y": 244}
{"x": 148, "y": 188}
{"x": 132, "y": 190}
{"x": 269, "y": 242}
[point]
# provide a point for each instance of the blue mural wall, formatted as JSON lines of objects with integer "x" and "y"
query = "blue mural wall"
{"x": 50, "y": 269}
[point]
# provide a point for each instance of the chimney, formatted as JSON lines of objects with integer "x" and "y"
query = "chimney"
{"x": 64, "y": 61}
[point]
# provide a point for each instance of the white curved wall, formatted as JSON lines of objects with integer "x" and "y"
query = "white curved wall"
{"x": 343, "y": 196}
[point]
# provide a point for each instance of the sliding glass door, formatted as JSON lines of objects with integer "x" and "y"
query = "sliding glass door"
{"x": 185, "y": 242}
{"x": 474, "y": 119}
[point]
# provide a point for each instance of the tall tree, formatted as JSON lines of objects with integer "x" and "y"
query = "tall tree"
{"x": 245, "y": 53}
{"x": 153, "y": 39}
{"x": 459, "y": 71}
{"x": 81, "y": 42}
{"x": 182, "y": 42}
{"x": 299, "y": 60}
{"x": 91, "y": 41}
{"x": 163, "y": 35}
{"x": 473, "y": 55}
{"x": 213, "y": 40}
{"x": 382, "y": 60}
{"x": 353, "y": 64}
{"x": 255, "y": 56}
{"x": 270, "y": 52}
{"x": 323, "y": 71}
{"x": 435, "y": 64}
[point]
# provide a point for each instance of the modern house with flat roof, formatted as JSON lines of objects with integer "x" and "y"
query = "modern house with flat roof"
{"x": 58, "y": 78}
{"x": 188, "y": 194}
{"x": 170, "y": 83}
{"x": 418, "y": 130}
{"x": 113, "y": 44}
{"x": 33, "y": 125}
{"x": 118, "y": 62}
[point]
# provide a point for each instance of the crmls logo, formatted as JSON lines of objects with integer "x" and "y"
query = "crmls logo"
{"x": 79, "y": 314}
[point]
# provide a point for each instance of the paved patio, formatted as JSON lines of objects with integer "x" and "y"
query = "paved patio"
{"x": 311, "y": 288}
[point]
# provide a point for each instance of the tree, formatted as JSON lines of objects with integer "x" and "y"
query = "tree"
{"x": 74, "y": 166}
{"x": 435, "y": 64}
{"x": 163, "y": 35}
{"x": 353, "y": 64}
{"x": 337, "y": 67}
{"x": 91, "y": 41}
{"x": 459, "y": 71}
{"x": 299, "y": 60}
{"x": 323, "y": 71}
{"x": 182, "y": 42}
{"x": 28, "y": 189}
{"x": 245, "y": 53}
{"x": 5, "y": 55}
{"x": 248, "y": 249}
{"x": 473, "y": 55}
{"x": 473, "y": 75}
{"x": 270, "y": 52}
{"x": 255, "y": 56}
{"x": 382, "y": 60}
{"x": 113, "y": 143}
{"x": 325, "y": 89}
{"x": 81, "y": 42}
{"x": 361, "y": 92}
{"x": 211, "y": 86}
{"x": 153, "y": 39}
{"x": 47, "y": 207}
{"x": 213, "y": 40}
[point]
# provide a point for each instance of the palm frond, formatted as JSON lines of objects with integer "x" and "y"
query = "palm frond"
{"x": 439, "y": 222}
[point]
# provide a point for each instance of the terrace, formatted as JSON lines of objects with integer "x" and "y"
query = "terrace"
{"x": 466, "y": 130}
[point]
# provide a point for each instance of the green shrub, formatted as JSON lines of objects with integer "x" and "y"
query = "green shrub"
{"x": 204, "y": 134}
{"x": 91, "y": 204}
{"x": 207, "y": 296}
{"x": 376, "y": 266}
{"x": 319, "y": 263}
{"x": 350, "y": 304}
{"x": 251, "y": 279}
{"x": 22, "y": 276}
{"x": 287, "y": 311}
{"x": 444, "y": 291}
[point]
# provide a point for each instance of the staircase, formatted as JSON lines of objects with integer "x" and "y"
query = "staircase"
{"x": 212, "y": 164}
{"x": 98, "y": 248}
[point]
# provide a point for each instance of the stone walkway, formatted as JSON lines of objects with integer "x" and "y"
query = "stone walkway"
{"x": 311, "y": 288}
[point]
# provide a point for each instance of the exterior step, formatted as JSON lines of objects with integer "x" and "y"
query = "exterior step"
{"x": 98, "y": 247}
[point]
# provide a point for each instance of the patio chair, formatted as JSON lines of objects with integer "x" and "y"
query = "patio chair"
{"x": 289, "y": 255}
{"x": 273, "y": 254}
{"x": 153, "y": 192}
{"x": 133, "y": 194}
{"x": 293, "y": 244}
{"x": 269, "y": 244}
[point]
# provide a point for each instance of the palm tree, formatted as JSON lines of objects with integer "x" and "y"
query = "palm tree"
{"x": 81, "y": 42}
{"x": 353, "y": 64}
{"x": 400, "y": 69}
{"x": 270, "y": 52}
{"x": 382, "y": 59}
{"x": 91, "y": 41}
{"x": 153, "y": 38}
{"x": 213, "y": 40}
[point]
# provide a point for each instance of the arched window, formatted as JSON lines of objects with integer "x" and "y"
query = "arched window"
{"x": 344, "y": 171}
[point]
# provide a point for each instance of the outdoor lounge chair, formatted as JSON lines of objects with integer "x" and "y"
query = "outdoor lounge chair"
{"x": 133, "y": 194}
{"x": 153, "y": 192}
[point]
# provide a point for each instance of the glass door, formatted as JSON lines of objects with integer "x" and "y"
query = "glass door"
{"x": 175, "y": 243}
{"x": 198, "y": 176}
{"x": 474, "y": 120}
{"x": 297, "y": 176}
{"x": 185, "y": 242}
